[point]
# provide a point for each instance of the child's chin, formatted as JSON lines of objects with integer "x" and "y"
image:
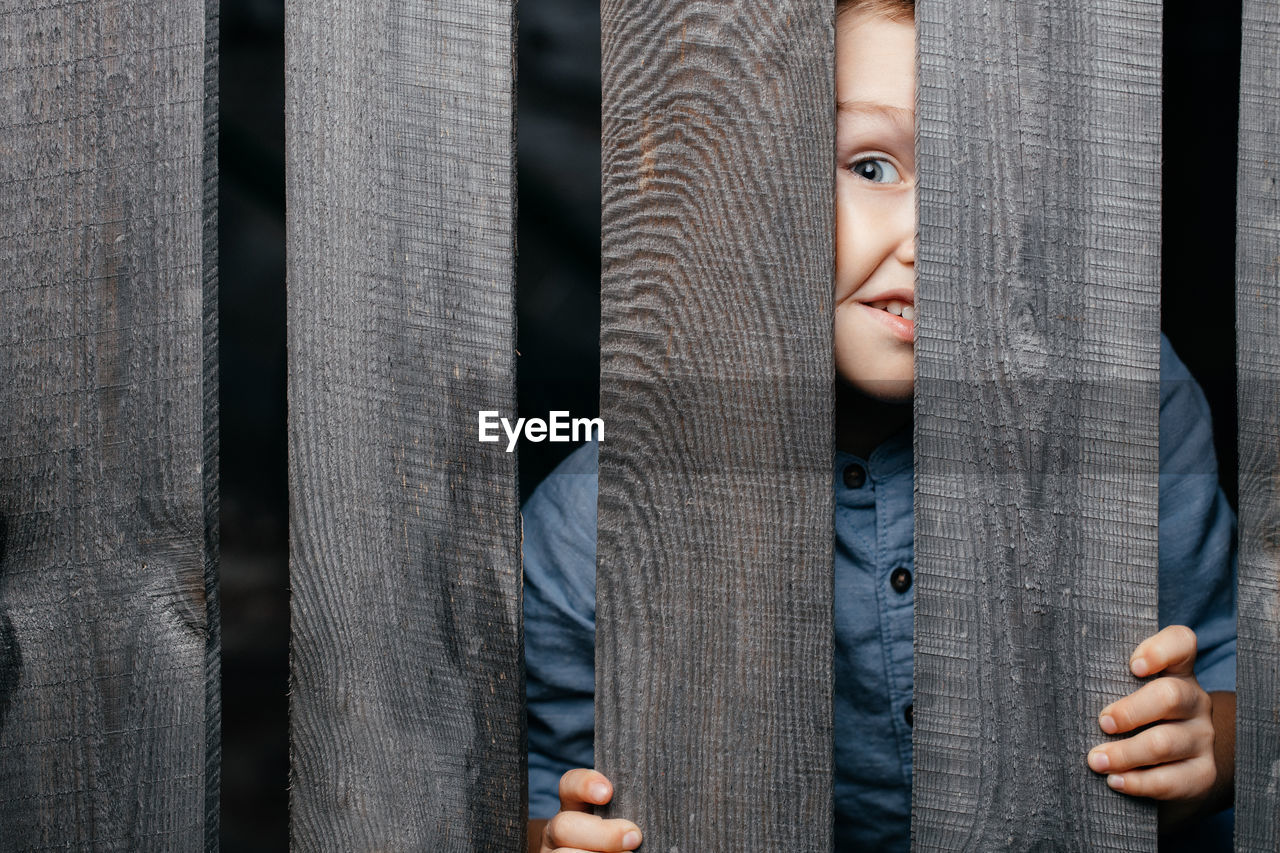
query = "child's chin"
{"x": 896, "y": 391}
{"x": 886, "y": 390}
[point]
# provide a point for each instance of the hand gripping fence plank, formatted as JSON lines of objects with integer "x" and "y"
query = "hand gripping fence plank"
{"x": 1036, "y": 432}
{"x": 714, "y": 584}
{"x": 1258, "y": 387}
{"x": 406, "y": 683}
{"x": 109, "y": 726}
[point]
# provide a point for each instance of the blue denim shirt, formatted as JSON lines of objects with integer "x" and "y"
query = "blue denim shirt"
{"x": 874, "y": 526}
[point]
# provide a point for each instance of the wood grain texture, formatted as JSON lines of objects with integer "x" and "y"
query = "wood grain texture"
{"x": 108, "y": 453}
{"x": 1258, "y": 396}
{"x": 714, "y": 584}
{"x": 407, "y": 686}
{"x": 212, "y": 503}
{"x": 1036, "y": 432}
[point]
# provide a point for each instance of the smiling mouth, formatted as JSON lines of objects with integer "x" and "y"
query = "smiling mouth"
{"x": 897, "y": 307}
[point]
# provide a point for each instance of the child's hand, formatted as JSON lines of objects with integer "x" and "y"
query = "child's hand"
{"x": 575, "y": 828}
{"x": 1174, "y": 758}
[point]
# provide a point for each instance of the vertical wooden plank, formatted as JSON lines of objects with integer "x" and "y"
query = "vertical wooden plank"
{"x": 1036, "y": 432}
{"x": 1258, "y": 389}
{"x": 212, "y": 503}
{"x": 407, "y": 687}
{"x": 714, "y": 584}
{"x": 108, "y": 640}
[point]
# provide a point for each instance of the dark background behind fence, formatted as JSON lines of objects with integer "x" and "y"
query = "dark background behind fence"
{"x": 559, "y": 297}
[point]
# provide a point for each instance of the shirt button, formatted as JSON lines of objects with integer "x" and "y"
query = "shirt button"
{"x": 854, "y": 475}
{"x": 900, "y": 580}
{"x": 907, "y": 715}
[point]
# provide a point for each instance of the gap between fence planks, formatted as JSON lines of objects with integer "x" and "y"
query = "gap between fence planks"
{"x": 1258, "y": 385}
{"x": 109, "y": 721}
{"x": 407, "y": 689}
{"x": 1037, "y": 356}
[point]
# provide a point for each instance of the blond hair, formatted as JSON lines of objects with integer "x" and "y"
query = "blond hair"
{"x": 897, "y": 10}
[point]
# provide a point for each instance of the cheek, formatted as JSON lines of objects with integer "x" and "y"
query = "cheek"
{"x": 851, "y": 261}
{"x": 848, "y": 277}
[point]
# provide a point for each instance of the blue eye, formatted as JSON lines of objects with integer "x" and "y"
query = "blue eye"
{"x": 875, "y": 169}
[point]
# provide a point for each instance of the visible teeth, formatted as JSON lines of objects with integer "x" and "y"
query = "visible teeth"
{"x": 895, "y": 306}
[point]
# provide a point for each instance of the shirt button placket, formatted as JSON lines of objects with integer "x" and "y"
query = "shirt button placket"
{"x": 900, "y": 580}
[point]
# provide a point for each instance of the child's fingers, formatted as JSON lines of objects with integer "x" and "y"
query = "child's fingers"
{"x": 590, "y": 832}
{"x": 582, "y": 788}
{"x": 1166, "y": 698}
{"x": 1172, "y": 651}
{"x": 1180, "y": 780}
{"x": 1157, "y": 745}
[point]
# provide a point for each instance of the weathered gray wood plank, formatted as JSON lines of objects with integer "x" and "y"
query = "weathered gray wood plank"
{"x": 714, "y": 612}
{"x": 406, "y": 680}
{"x": 213, "y": 645}
{"x": 1037, "y": 359}
{"x": 1258, "y": 388}
{"x": 108, "y": 441}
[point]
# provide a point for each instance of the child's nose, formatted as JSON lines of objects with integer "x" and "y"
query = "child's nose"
{"x": 906, "y": 250}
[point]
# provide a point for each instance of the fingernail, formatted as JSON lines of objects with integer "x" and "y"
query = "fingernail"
{"x": 631, "y": 840}
{"x": 1116, "y": 781}
{"x": 1139, "y": 666}
{"x": 1108, "y": 724}
{"x": 599, "y": 790}
{"x": 1099, "y": 761}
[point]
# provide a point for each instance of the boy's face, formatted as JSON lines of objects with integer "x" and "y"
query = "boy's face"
{"x": 875, "y": 204}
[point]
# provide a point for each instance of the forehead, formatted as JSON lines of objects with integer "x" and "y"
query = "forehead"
{"x": 875, "y": 64}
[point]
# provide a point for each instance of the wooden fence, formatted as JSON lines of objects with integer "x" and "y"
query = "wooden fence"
{"x": 1039, "y": 146}
{"x": 109, "y": 653}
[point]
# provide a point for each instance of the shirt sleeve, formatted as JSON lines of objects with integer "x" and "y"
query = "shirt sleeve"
{"x": 1197, "y": 528}
{"x": 559, "y": 549}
